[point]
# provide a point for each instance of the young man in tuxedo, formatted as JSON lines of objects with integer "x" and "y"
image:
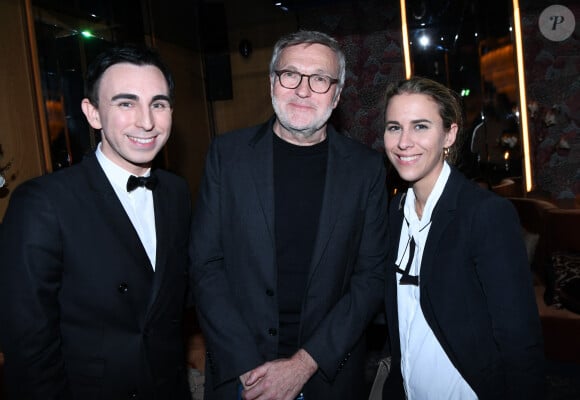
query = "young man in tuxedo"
{"x": 94, "y": 256}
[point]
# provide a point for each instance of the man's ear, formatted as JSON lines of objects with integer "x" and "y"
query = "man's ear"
{"x": 336, "y": 99}
{"x": 272, "y": 83}
{"x": 91, "y": 113}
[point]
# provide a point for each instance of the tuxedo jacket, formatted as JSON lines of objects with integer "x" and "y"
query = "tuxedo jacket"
{"x": 234, "y": 263}
{"x": 83, "y": 314}
{"x": 475, "y": 291}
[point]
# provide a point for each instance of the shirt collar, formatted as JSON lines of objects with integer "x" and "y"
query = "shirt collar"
{"x": 409, "y": 209}
{"x": 118, "y": 176}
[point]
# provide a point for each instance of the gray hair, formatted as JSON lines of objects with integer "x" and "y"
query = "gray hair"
{"x": 312, "y": 37}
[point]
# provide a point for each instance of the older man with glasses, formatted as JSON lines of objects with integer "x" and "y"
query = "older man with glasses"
{"x": 288, "y": 241}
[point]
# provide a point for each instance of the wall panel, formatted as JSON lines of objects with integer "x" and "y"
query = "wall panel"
{"x": 20, "y": 135}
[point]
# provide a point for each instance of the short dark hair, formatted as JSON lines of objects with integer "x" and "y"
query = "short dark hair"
{"x": 447, "y": 100}
{"x": 131, "y": 54}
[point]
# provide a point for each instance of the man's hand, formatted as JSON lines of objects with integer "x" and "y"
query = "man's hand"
{"x": 244, "y": 378}
{"x": 281, "y": 379}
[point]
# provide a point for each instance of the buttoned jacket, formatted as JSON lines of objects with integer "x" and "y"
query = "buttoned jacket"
{"x": 83, "y": 314}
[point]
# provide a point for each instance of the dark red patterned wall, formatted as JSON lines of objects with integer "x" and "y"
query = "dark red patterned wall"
{"x": 370, "y": 34}
{"x": 552, "y": 71}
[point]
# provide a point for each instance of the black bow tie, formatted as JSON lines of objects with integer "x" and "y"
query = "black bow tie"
{"x": 148, "y": 182}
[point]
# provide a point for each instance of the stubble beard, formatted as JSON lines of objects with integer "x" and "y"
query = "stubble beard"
{"x": 300, "y": 132}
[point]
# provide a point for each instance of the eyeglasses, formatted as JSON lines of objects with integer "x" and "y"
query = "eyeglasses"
{"x": 317, "y": 83}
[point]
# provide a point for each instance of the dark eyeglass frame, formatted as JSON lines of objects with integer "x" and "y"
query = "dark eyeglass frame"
{"x": 282, "y": 71}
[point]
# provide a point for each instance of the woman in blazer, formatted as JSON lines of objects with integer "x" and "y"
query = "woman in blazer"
{"x": 463, "y": 323}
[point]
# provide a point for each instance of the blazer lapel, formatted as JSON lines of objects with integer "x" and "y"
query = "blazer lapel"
{"x": 442, "y": 216}
{"x": 336, "y": 171}
{"x": 262, "y": 171}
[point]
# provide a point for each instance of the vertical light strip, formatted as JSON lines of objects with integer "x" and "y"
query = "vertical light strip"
{"x": 523, "y": 101}
{"x": 405, "y": 32}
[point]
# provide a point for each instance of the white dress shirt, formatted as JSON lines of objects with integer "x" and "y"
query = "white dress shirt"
{"x": 138, "y": 204}
{"x": 427, "y": 371}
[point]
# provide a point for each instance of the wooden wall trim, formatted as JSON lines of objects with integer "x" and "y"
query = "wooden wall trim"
{"x": 20, "y": 132}
{"x": 35, "y": 64}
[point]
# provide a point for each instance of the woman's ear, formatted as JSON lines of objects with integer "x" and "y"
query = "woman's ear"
{"x": 451, "y": 135}
{"x": 91, "y": 113}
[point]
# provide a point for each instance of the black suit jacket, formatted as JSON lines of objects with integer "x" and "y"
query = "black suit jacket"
{"x": 234, "y": 263}
{"x": 83, "y": 315}
{"x": 476, "y": 292}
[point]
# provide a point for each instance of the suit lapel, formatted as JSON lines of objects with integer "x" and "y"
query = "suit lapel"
{"x": 161, "y": 206}
{"x": 262, "y": 172}
{"x": 442, "y": 216}
{"x": 110, "y": 207}
{"x": 336, "y": 172}
{"x": 262, "y": 166}
{"x": 118, "y": 225}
